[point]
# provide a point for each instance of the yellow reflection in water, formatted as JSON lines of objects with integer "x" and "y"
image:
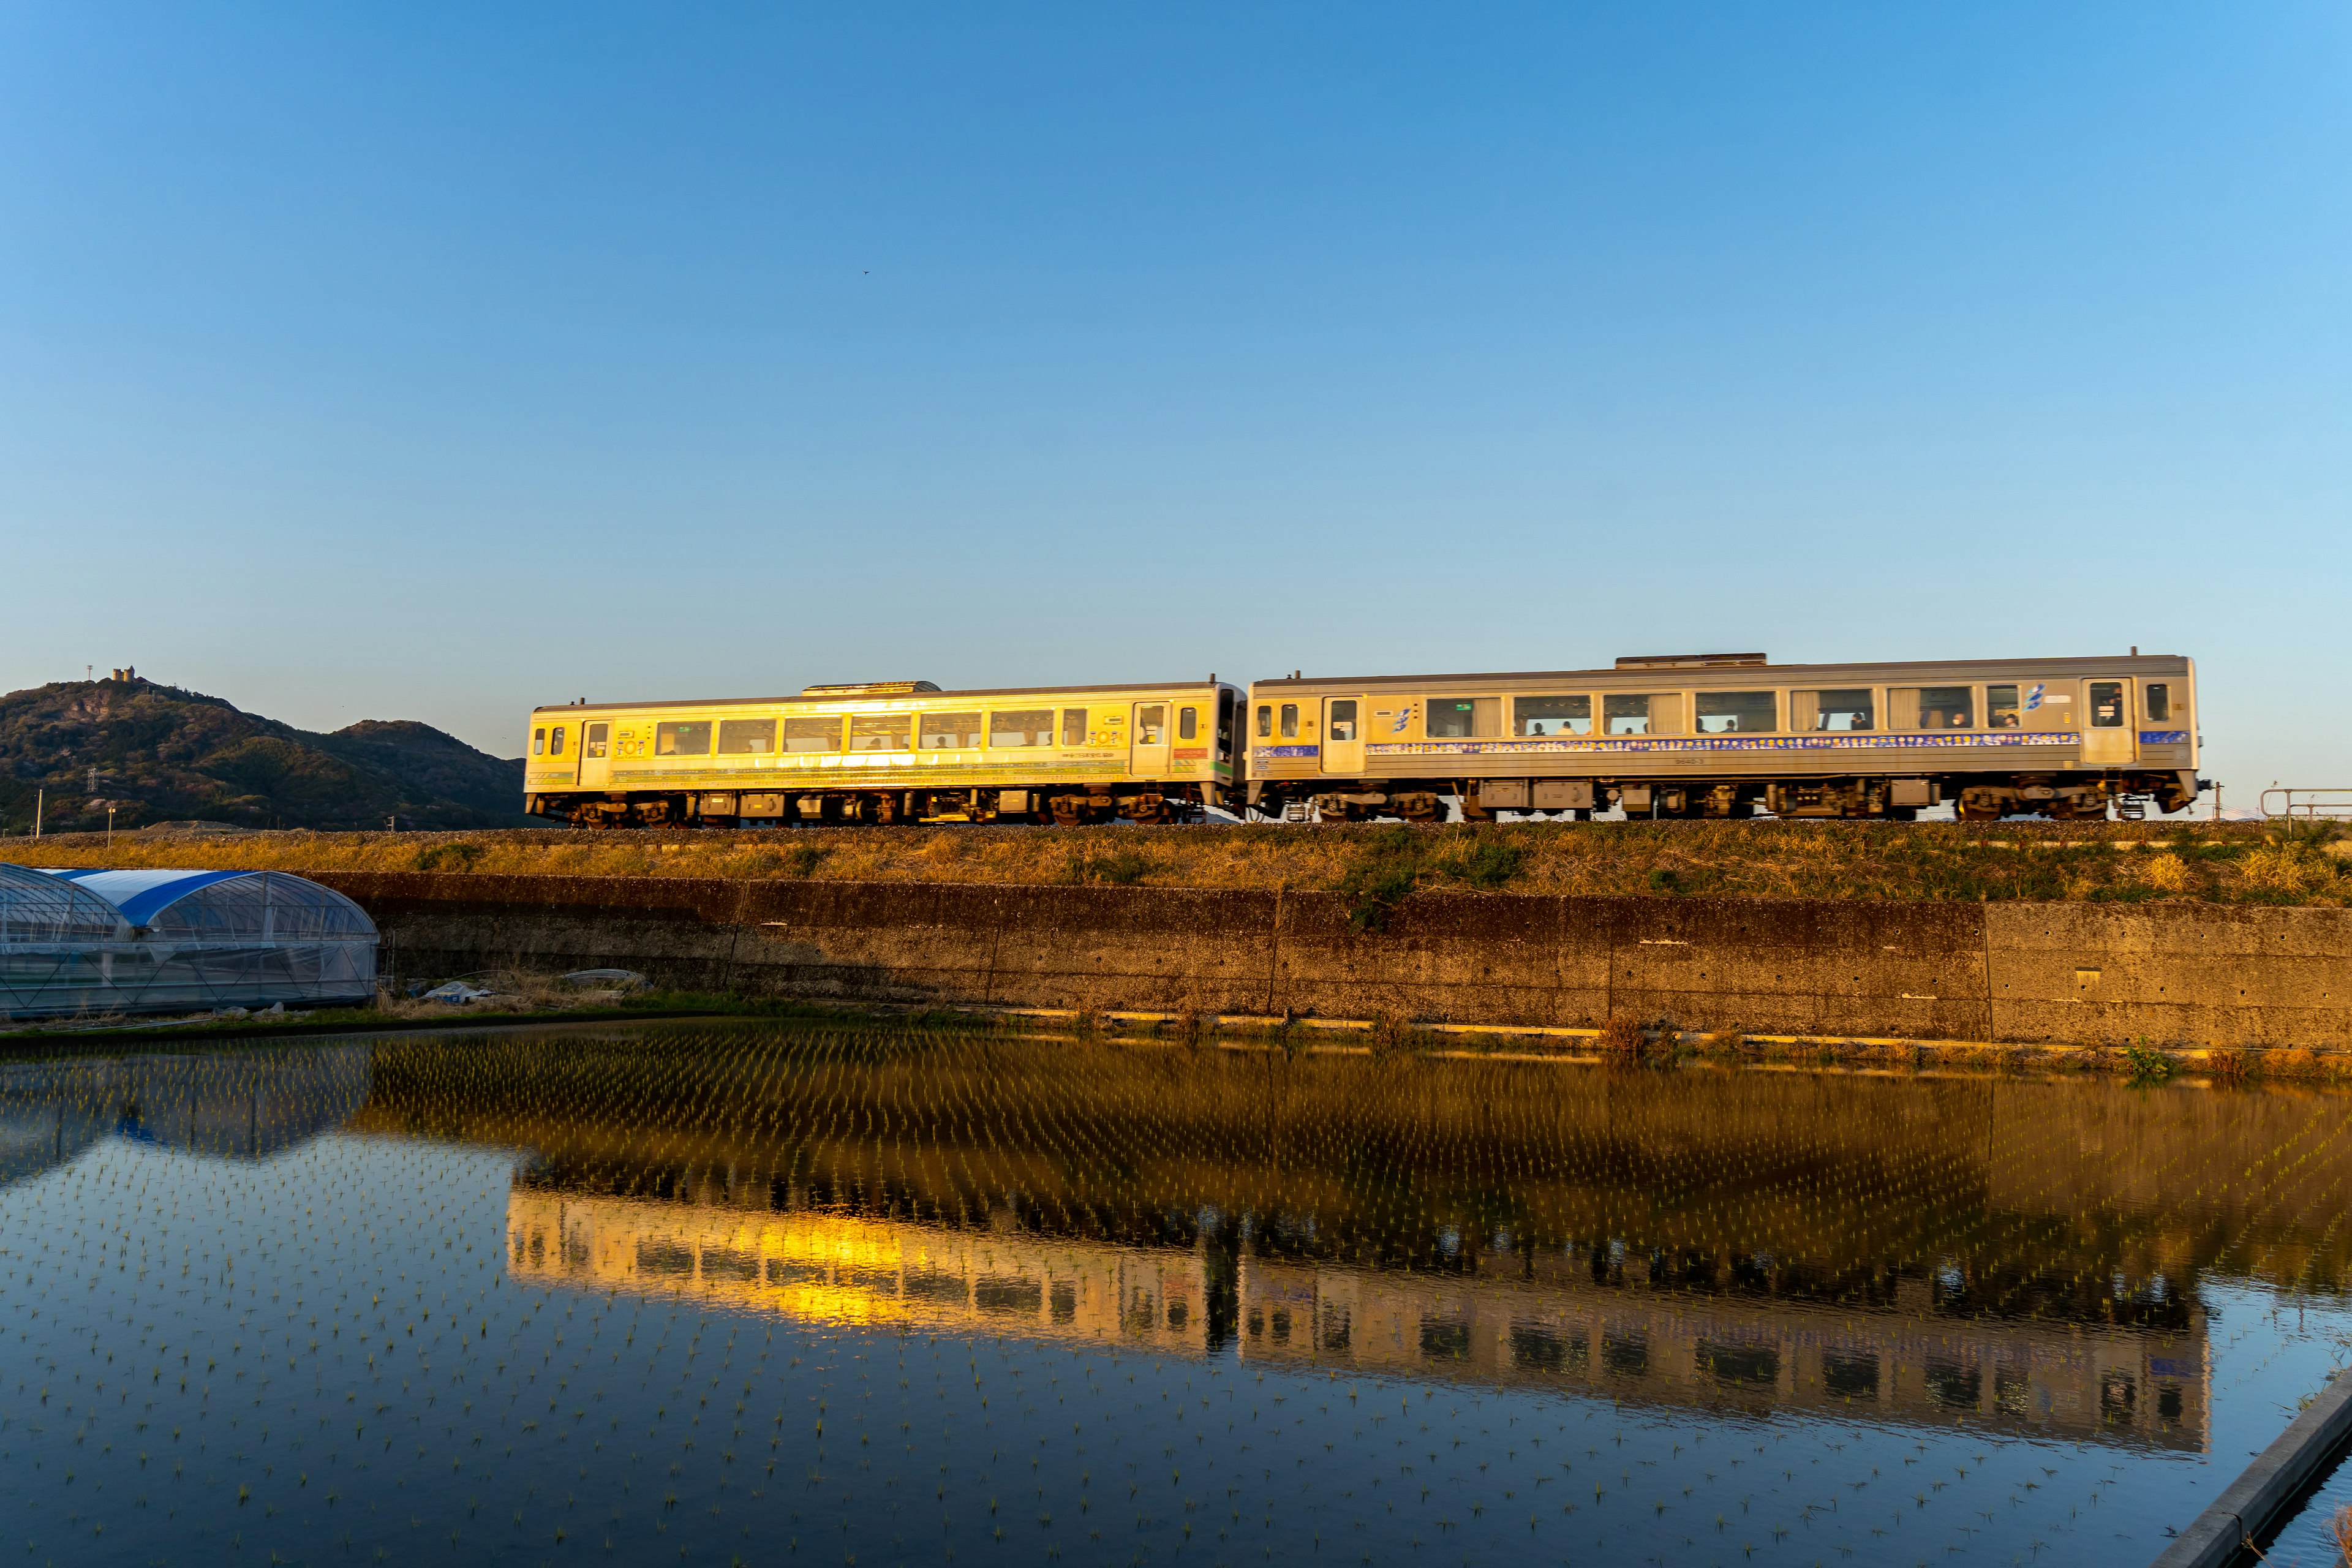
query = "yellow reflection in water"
{"x": 1537, "y": 1321}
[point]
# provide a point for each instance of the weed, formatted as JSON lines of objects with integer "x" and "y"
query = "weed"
{"x": 1391, "y": 863}
{"x": 457, "y": 856}
{"x": 1490, "y": 864}
{"x": 2145, "y": 1064}
{"x": 1122, "y": 867}
{"x": 2292, "y": 860}
{"x": 1392, "y": 1036}
{"x": 1388, "y": 865}
{"x": 1622, "y": 1039}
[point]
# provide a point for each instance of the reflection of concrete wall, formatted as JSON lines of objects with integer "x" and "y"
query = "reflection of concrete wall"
{"x": 851, "y": 1272}
{"x": 2192, "y": 973}
{"x": 1561, "y": 1329}
{"x": 230, "y": 1103}
{"x": 1532, "y": 1321}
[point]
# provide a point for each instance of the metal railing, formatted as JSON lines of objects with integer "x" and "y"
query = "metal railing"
{"x": 2307, "y": 803}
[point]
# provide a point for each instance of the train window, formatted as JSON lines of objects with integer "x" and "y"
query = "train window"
{"x": 555, "y": 742}
{"x": 593, "y": 739}
{"x": 1849, "y": 708}
{"x": 1451, "y": 717}
{"x": 1224, "y": 726}
{"x": 538, "y": 742}
{"x": 1551, "y": 716}
{"x": 813, "y": 734}
{"x": 736, "y": 736}
{"x": 2156, "y": 698}
{"x": 1626, "y": 715}
{"x": 2106, "y": 705}
{"x": 1931, "y": 706}
{"x": 1074, "y": 726}
{"x": 1265, "y": 721}
{"x": 1021, "y": 726}
{"x": 1947, "y": 707}
{"x": 2001, "y": 707}
{"x": 1343, "y": 719}
{"x": 950, "y": 732}
{"x": 1152, "y": 724}
{"x": 682, "y": 738}
{"x": 1290, "y": 720}
{"x": 1737, "y": 712}
{"x": 1188, "y": 724}
{"x": 881, "y": 732}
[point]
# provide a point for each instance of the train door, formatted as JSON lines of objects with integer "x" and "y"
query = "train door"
{"x": 1343, "y": 735}
{"x": 1146, "y": 751}
{"x": 595, "y": 753}
{"x": 2110, "y": 734}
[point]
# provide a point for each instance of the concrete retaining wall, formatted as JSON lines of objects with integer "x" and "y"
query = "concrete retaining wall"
{"x": 2190, "y": 974}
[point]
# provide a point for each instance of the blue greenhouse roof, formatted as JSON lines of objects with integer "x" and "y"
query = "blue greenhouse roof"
{"x": 142, "y": 895}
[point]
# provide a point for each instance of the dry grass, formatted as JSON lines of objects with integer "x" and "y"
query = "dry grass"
{"x": 1624, "y": 1039}
{"x": 2075, "y": 861}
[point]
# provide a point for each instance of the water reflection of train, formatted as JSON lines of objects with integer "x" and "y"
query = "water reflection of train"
{"x": 1546, "y": 1319}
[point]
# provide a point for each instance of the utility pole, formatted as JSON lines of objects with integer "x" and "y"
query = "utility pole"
{"x": 40, "y": 799}
{"x": 110, "y": 829}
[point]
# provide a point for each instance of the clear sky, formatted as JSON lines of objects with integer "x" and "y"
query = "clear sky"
{"x": 428, "y": 362}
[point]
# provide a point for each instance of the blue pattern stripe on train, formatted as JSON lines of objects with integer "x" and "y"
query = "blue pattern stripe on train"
{"x": 1844, "y": 741}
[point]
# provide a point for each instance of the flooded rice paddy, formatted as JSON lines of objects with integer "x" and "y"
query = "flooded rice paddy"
{"x": 756, "y": 1294}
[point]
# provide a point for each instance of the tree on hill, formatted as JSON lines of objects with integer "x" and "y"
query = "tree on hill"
{"x": 157, "y": 753}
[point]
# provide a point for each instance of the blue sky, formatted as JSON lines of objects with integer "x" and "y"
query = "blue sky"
{"x": 428, "y": 362}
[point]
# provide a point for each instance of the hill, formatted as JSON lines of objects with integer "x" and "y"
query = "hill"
{"x": 157, "y": 753}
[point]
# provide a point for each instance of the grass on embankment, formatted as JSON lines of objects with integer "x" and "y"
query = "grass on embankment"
{"x": 1375, "y": 865}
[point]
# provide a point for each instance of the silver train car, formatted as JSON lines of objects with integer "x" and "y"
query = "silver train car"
{"x": 1731, "y": 736}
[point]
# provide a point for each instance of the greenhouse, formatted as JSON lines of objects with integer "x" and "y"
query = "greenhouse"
{"x": 94, "y": 942}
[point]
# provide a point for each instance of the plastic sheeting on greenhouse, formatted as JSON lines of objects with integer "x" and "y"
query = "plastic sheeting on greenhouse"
{"x": 94, "y": 942}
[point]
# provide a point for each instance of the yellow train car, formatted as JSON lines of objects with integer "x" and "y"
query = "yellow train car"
{"x": 1733, "y": 735}
{"x": 890, "y": 752}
